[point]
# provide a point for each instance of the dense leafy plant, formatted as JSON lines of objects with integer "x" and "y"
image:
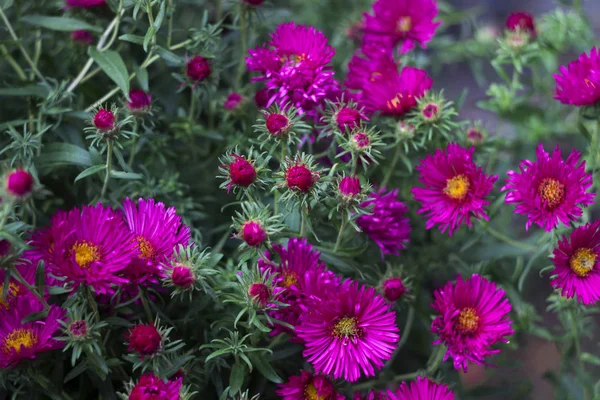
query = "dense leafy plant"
{"x": 238, "y": 199}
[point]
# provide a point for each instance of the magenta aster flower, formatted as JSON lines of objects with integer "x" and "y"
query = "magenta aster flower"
{"x": 88, "y": 247}
{"x": 402, "y": 22}
{"x": 233, "y": 101}
{"x": 144, "y": 339}
{"x": 16, "y": 290}
{"x": 473, "y": 316}
{"x": 421, "y": 389}
{"x": 19, "y": 341}
{"x": 84, "y": 3}
{"x": 576, "y": 269}
{"x": 550, "y": 190}
{"x": 368, "y": 64}
{"x": 371, "y": 395}
{"x": 579, "y": 82}
{"x": 19, "y": 183}
{"x": 304, "y": 277}
{"x": 139, "y": 101}
{"x": 308, "y": 387}
{"x": 349, "y": 334}
{"x": 395, "y": 93}
{"x": 295, "y": 67}
{"x": 151, "y": 387}
{"x": 157, "y": 231}
{"x": 387, "y": 225}
{"x": 455, "y": 188}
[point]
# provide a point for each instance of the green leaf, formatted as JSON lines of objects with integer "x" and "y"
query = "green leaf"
{"x": 54, "y": 290}
{"x": 112, "y": 64}
{"x": 236, "y": 379}
{"x": 590, "y": 358}
{"x": 59, "y": 23}
{"x": 64, "y": 154}
{"x": 160, "y": 16}
{"x": 40, "y": 277}
{"x": 36, "y": 316}
{"x": 142, "y": 78}
{"x": 137, "y": 39}
{"x": 170, "y": 58}
{"x": 116, "y": 321}
{"x": 75, "y": 372}
{"x": 38, "y": 91}
{"x": 90, "y": 171}
{"x": 125, "y": 175}
{"x": 264, "y": 367}
{"x": 149, "y": 34}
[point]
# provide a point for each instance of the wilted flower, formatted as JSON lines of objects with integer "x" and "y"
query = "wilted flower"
{"x": 308, "y": 387}
{"x": 473, "y": 316}
{"x": 18, "y": 183}
{"x": 579, "y": 82}
{"x": 421, "y": 389}
{"x": 78, "y": 329}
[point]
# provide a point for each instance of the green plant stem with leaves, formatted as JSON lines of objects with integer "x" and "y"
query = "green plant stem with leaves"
{"x": 340, "y": 235}
{"x": 109, "y": 151}
{"x": 15, "y": 272}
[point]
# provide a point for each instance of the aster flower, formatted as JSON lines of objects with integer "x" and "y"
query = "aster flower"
{"x": 550, "y": 190}
{"x": 371, "y": 395}
{"x": 157, "y": 231}
{"x": 20, "y": 341}
{"x": 295, "y": 67}
{"x": 473, "y": 316}
{"x": 421, "y": 389}
{"x": 88, "y": 247}
{"x": 16, "y": 290}
{"x": 579, "y": 82}
{"x": 233, "y": 101}
{"x": 242, "y": 173}
{"x": 308, "y": 387}
{"x": 387, "y": 224}
{"x": 368, "y": 64}
{"x": 455, "y": 188}
{"x": 304, "y": 277}
{"x": 342, "y": 116}
{"x": 402, "y": 23}
{"x": 139, "y": 101}
{"x": 302, "y": 180}
{"x": 144, "y": 339}
{"x": 151, "y": 387}
{"x": 18, "y": 184}
{"x": 278, "y": 126}
{"x": 255, "y": 225}
{"x": 576, "y": 270}
{"x": 362, "y": 144}
{"x": 520, "y": 21}
{"x": 189, "y": 270}
{"x": 351, "y": 334}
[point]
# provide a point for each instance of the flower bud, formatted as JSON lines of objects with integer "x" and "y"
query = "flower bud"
{"x": 182, "y": 276}
{"x": 233, "y": 101}
{"x": 19, "y": 183}
{"x": 82, "y": 37}
{"x": 349, "y": 186}
{"x": 347, "y": 118}
{"x": 104, "y": 120}
{"x": 260, "y": 293}
{"x": 144, "y": 339}
{"x": 474, "y": 136}
{"x": 405, "y": 130}
{"x": 299, "y": 177}
{"x": 139, "y": 101}
{"x": 520, "y": 21}
{"x": 360, "y": 141}
{"x": 430, "y": 111}
{"x": 261, "y": 98}
{"x": 5, "y": 247}
{"x": 393, "y": 289}
{"x": 276, "y": 123}
{"x": 241, "y": 171}
{"x": 253, "y": 233}
{"x": 198, "y": 69}
{"x": 78, "y": 329}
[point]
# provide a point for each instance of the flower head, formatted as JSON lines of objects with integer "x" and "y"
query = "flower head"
{"x": 261, "y": 98}
{"x": 157, "y": 231}
{"x": 550, "y": 190}
{"x": 308, "y": 387}
{"x": 576, "y": 264}
{"x": 84, "y": 3}
{"x": 241, "y": 171}
{"x": 253, "y": 233}
{"x": 16, "y": 290}
{"x": 300, "y": 177}
{"x": 105, "y": 120}
{"x": 78, "y": 328}
{"x": 198, "y": 69}
{"x": 393, "y": 288}
{"x": 349, "y": 186}
{"x": 347, "y": 118}
{"x": 276, "y": 123}
{"x": 260, "y": 292}
{"x": 233, "y": 101}
{"x": 139, "y": 101}
{"x": 387, "y": 224}
{"x": 351, "y": 334}
{"x": 579, "y": 82}
{"x": 520, "y": 21}
{"x": 19, "y": 183}
{"x": 151, "y": 387}
{"x": 455, "y": 188}
{"x": 402, "y": 23}
{"x": 473, "y": 316}
{"x": 144, "y": 339}
{"x": 475, "y": 135}
{"x": 369, "y": 63}
{"x": 82, "y": 37}
{"x": 20, "y": 341}
{"x": 421, "y": 389}
{"x": 182, "y": 276}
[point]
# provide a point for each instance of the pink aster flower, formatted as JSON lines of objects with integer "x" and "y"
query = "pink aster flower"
{"x": 396, "y": 93}
{"x": 421, "y": 389}
{"x": 455, "y": 188}
{"x": 576, "y": 270}
{"x": 308, "y": 387}
{"x": 16, "y": 290}
{"x": 349, "y": 334}
{"x": 151, "y": 387}
{"x": 157, "y": 231}
{"x": 387, "y": 225}
{"x": 402, "y": 22}
{"x": 579, "y": 82}
{"x": 304, "y": 278}
{"x": 88, "y": 247}
{"x": 368, "y": 64}
{"x": 473, "y": 316}
{"x": 20, "y": 341}
{"x": 84, "y": 3}
{"x": 233, "y": 101}
{"x": 550, "y": 190}
{"x": 295, "y": 67}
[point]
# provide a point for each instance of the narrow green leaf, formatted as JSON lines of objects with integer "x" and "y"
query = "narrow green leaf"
{"x": 64, "y": 154}
{"x": 90, "y": 171}
{"x": 55, "y": 290}
{"x": 149, "y": 34}
{"x": 75, "y": 372}
{"x": 36, "y": 316}
{"x": 170, "y": 58}
{"x": 137, "y": 39}
{"x": 160, "y": 16}
{"x": 40, "y": 277}
{"x": 142, "y": 78}
{"x": 112, "y": 64}
{"x": 125, "y": 175}
{"x": 37, "y": 91}
{"x": 265, "y": 368}
{"x": 59, "y": 23}
{"x": 236, "y": 379}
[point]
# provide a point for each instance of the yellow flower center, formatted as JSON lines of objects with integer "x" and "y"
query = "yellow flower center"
{"x": 552, "y": 192}
{"x": 583, "y": 261}
{"x": 85, "y": 253}
{"x": 404, "y": 24}
{"x": 13, "y": 291}
{"x": 289, "y": 278}
{"x": 396, "y": 102}
{"x": 346, "y": 327}
{"x": 374, "y": 76}
{"x": 468, "y": 320}
{"x": 457, "y": 187}
{"x": 310, "y": 393}
{"x": 145, "y": 247}
{"x": 19, "y": 338}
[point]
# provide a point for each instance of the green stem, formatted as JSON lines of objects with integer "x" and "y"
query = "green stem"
{"x": 133, "y": 143}
{"x": 244, "y": 40}
{"x": 354, "y": 163}
{"x": 151, "y": 18}
{"x": 192, "y": 109}
{"x": 303, "y": 217}
{"x": 390, "y": 171}
{"x": 109, "y": 152}
{"x": 170, "y": 23}
{"x": 146, "y": 305}
{"x": 508, "y": 240}
{"x": 92, "y": 302}
{"x": 435, "y": 359}
{"x": 15, "y": 272}
{"x": 38, "y": 52}
{"x": 13, "y": 63}
{"x": 338, "y": 242}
